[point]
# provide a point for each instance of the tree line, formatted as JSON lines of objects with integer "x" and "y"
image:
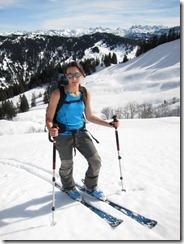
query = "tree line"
{"x": 146, "y": 45}
{"x": 144, "y": 110}
{"x": 8, "y": 110}
{"x": 131, "y": 110}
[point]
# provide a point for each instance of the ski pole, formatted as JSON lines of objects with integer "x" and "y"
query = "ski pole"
{"x": 118, "y": 150}
{"x": 53, "y": 178}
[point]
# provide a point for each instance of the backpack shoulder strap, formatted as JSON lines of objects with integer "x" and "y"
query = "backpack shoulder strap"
{"x": 62, "y": 97}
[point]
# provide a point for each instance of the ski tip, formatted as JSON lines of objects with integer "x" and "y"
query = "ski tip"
{"x": 152, "y": 224}
{"x": 116, "y": 223}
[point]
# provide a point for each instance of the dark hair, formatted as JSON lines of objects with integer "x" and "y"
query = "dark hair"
{"x": 77, "y": 65}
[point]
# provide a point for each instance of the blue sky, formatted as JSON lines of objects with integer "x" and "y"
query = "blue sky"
{"x": 30, "y": 15}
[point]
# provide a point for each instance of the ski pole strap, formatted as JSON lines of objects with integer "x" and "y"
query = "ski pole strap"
{"x": 74, "y": 132}
{"x": 92, "y": 136}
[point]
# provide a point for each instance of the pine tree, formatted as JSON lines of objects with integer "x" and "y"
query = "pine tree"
{"x": 2, "y": 112}
{"x": 46, "y": 97}
{"x": 114, "y": 59}
{"x": 154, "y": 42}
{"x": 8, "y": 110}
{"x": 33, "y": 100}
{"x": 107, "y": 60}
{"x": 138, "y": 52}
{"x": 125, "y": 59}
{"x": 23, "y": 104}
{"x": 3, "y": 95}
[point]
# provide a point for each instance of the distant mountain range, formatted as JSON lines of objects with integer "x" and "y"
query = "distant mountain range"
{"x": 135, "y": 30}
{"x": 27, "y": 54}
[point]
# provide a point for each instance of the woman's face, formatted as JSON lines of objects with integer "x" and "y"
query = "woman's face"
{"x": 74, "y": 76}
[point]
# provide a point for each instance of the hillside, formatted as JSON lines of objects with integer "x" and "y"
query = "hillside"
{"x": 25, "y": 56}
{"x": 152, "y": 77}
{"x": 30, "y": 59}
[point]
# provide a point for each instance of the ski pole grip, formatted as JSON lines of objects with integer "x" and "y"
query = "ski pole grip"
{"x": 52, "y": 139}
{"x": 115, "y": 118}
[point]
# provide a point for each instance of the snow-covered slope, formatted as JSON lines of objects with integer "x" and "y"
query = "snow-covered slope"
{"x": 151, "y": 176}
{"x": 152, "y": 77}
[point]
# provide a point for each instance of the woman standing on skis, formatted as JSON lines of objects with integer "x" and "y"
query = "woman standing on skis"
{"x": 71, "y": 116}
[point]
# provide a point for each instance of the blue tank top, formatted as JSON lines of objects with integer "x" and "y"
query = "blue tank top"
{"x": 71, "y": 114}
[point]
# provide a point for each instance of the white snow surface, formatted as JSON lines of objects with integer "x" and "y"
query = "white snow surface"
{"x": 151, "y": 176}
{"x": 150, "y": 160}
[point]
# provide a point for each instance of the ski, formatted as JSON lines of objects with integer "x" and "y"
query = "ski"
{"x": 150, "y": 223}
{"x": 111, "y": 220}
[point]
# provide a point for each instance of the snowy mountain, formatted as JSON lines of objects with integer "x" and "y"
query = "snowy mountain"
{"x": 24, "y": 56}
{"x": 27, "y": 57}
{"x": 135, "y": 29}
{"x": 153, "y": 77}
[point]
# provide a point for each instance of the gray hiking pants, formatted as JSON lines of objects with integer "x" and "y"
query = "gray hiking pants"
{"x": 84, "y": 144}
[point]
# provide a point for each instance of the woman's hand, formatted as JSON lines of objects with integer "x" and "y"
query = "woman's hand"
{"x": 115, "y": 124}
{"x": 53, "y": 131}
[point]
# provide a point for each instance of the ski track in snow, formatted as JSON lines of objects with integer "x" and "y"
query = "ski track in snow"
{"x": 41, "y": 174}
{"x": 32, "y": 169}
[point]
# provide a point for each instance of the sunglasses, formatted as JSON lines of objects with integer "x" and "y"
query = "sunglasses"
{"x": 76, "y": 75}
